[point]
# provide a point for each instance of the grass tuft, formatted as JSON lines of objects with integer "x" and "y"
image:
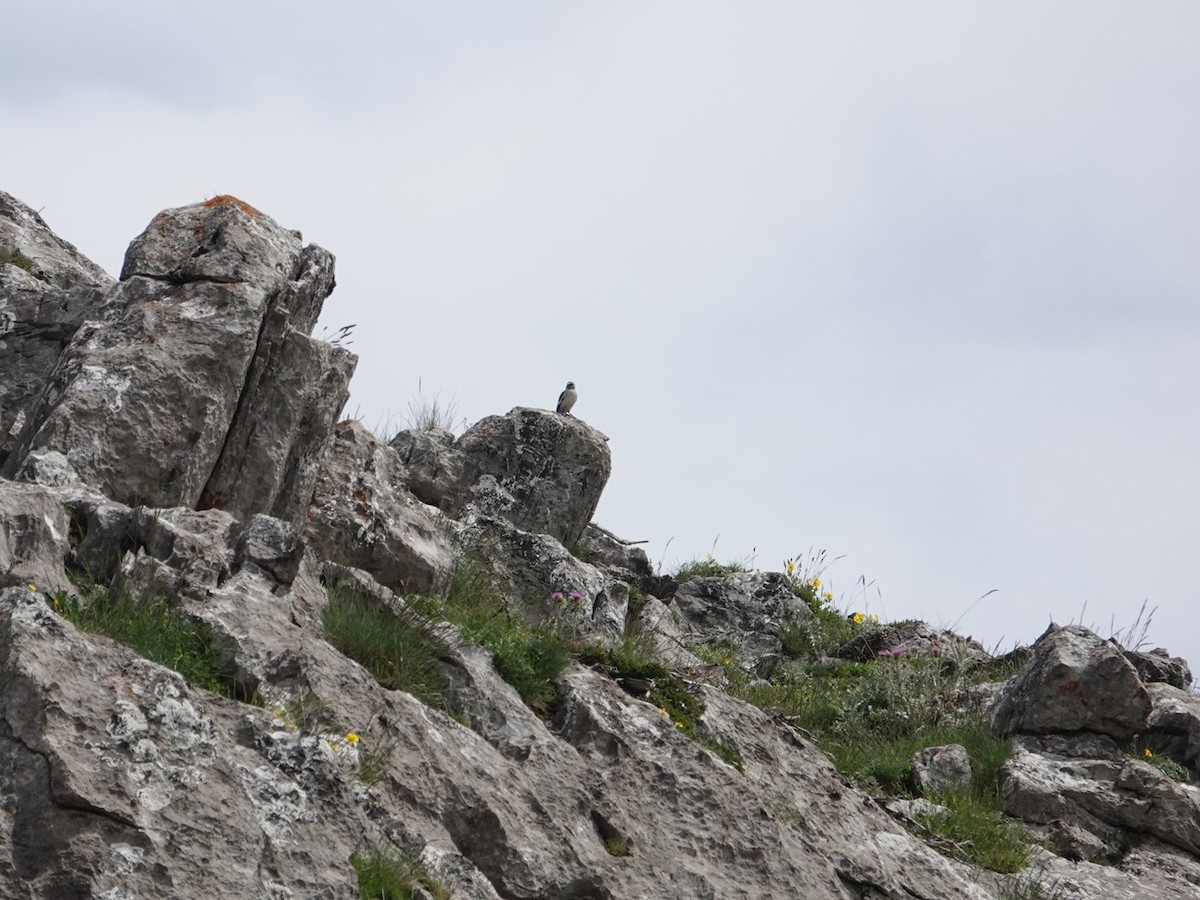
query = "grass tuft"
{"x": 146, "y": 622}
{"x": 527, "y": 657}
{"x": 11, "y": 256}
{"x": 398, "y": 648}
{"x": 388, "y": 875}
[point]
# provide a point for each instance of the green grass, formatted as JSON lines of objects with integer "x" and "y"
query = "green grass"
{"x": 706, "y": 568}
{"x": 980, "y": 832}
{"x": 146, "y": 622}
{"x": 384, "y": 875}
{"x": 14, "y": 257}
{"x": 398, "y": 648}
{"x": 526, "y": 656}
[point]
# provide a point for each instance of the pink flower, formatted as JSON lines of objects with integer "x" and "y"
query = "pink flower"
{"x": 576, "y": 596}
{"x": 897, "y": 651}
{"x": 557, "y": 596}
{"x": 884, "y": 653}
{"x": 935, "y": 651}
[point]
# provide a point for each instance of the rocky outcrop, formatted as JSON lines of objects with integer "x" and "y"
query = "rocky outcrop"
{"x": 244, "y": 509}
{"x": 539, "y": 471}
{"x": 744, "y": 611}
{"x": 200, "y": 385}
{"x": 362, "y": 515}
{"x": 1075, "y": 682}
{"x": 42, "y": 304}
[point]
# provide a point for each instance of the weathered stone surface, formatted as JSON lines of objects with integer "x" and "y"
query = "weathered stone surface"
{"x": 167, "y": 780}
{"x": 431, "y": 463}
{"x": 1160, "y": 666}
{"x": 363, "y": 515}
{"x": 602, "y": 548}
{"x": 553, "y": 584}
{"x": 1074, "y": 682}
{"x": 176, "y": 395}
{"x": 1088, "y": 783}
{"x": 540, "y": 471}
{"x": 911, "y": 639}
{"x": 941, "y": 770}
{"x": 34, "y": 531}
{"x": 1174, "y": 726}
{"x": 744, "y": 610}
{"x": 40, "y": 309}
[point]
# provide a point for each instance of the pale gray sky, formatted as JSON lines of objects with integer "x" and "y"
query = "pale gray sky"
{"x": 916, "y": 284}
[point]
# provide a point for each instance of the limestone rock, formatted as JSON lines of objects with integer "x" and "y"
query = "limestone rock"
{"x": 743, "y": 610}
{"x": 177, "y": 396}
{"x": 1088, "y": 783}
{"x": 1074, "y": 682}
{"x": 551, "y": 583}
{"x": 1160, "y": 666}
{"x": 34, "y": 531}
{"x": 540, "y": 471}
{"x": 941, "y": 770}
{"x": 1174, "y": 726}
{"x": 363, "y": 515}
{"x": 431, "y": 464}
{"x": 40, "y": 309}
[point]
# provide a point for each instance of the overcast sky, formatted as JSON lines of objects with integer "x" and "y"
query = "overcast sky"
{"x": 916, "y": 284}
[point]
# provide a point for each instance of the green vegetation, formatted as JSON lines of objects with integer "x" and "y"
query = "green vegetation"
{"x": 146, "y": 622}
{"x": 975, "y": 827}
{"x": 11, "y": 256}
{"x": 616, "y": 846}
{"x": 398, "y": 647}
{"x": 388, "y": 875}
{"x": 1169, "y": 767}
{"x": 527, "y": 657}
{"x": 707, "y": 567}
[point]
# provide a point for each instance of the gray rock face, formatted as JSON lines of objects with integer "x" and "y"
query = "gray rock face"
{"x": 540, "y": 471}
{"x": 1174, "y": 726}
{"x": 40, "y": 309}
{"x": 1087, "y": 783}
{"x": 1075, "y": 682}
{"x": 178, "y": 396}
{"x": 941, "y": 770}
{"x": 34, "y": 532}
{"x": 1160, "y": 666}
{"x": 362, "y": 515}
{"x": 551, "y": 583}
{"x": 119, "y": 780}
{"x": 744, "y": 610}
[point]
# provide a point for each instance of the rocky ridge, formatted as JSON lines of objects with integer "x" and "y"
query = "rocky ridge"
{"x": 175, "y": 430}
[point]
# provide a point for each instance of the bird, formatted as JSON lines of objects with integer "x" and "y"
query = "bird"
{"x": 567, "y": 399}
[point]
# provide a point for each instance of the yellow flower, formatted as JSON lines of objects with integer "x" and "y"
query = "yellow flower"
{"x": 726, "y": 661}
{"x": 663, "y": 710}
{"x": 31, "y": 586}
{"x": 678, "y": 724}
{"x": 352, "y": 737}
{"x": 828, "y": 595}
{"x": 790, "y": 565}
{"x": 1148, "y": 753}
{"x": 859, "y": 618}
{"x": 816, "y": 582}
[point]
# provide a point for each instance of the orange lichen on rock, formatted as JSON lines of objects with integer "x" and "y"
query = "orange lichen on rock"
{"x": 222, "y": 199}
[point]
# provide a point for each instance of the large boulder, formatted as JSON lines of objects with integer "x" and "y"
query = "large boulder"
{"x": 1075, "y": 682}
{"x": 1174, "y": 726}
{"x": 540, "y": 471}
{"x": 363, "y": 515}
{"x": 200, "y": 386}
{"x": 46, "y": 290}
